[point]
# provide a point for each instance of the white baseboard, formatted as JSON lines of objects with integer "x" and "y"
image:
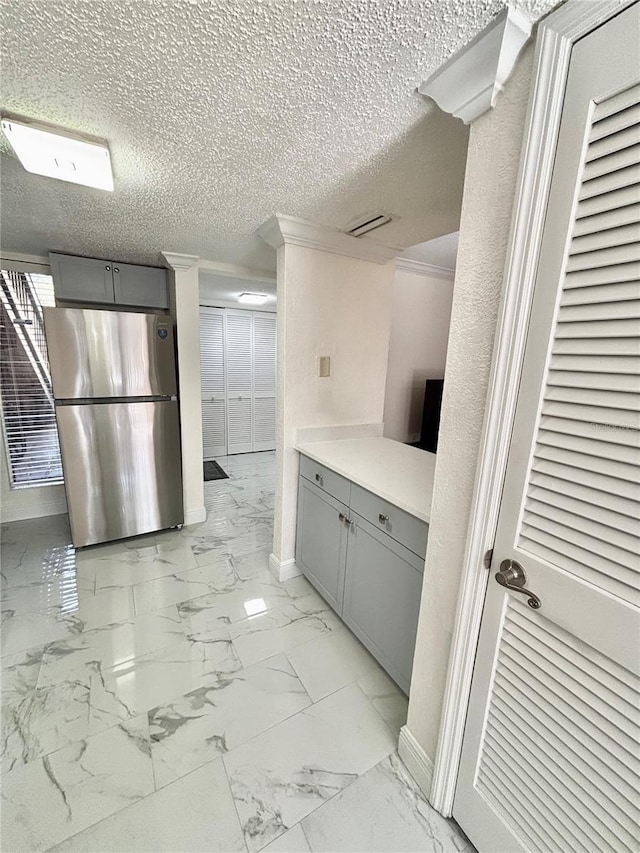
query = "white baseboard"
{"x": 285, "y": 570}
{"x": 416, "y": 760}
{"x": 195, "y": 516}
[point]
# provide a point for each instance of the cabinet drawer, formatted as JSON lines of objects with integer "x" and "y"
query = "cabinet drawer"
{"x": 403, "y": 527}
{"x": 325, "y": 479}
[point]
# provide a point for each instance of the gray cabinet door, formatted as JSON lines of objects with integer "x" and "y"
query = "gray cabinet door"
{"x": 382, "y": 597}
{"x": 144, "y": 287}
{"x": 81, "y": 279}
{"x": 321, "y": 541}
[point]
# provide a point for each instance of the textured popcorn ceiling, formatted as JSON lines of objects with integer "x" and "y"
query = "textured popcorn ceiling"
{"x": 220, "y": 113}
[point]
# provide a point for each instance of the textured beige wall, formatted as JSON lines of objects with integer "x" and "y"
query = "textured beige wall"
{"x": 492, "y": 166}
{"x": 420, "y": 319}
{"x": 327, "y": 305}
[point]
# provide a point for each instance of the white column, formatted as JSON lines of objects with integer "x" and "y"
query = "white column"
{"x": 186, "y": 311}
{"x": 334, "y": 299}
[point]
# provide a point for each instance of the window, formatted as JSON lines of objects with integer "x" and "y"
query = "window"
{"x": 28, "y": 417}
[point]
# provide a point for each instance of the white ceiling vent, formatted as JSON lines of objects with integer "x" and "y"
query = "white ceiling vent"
{"x": 368, "y": 223}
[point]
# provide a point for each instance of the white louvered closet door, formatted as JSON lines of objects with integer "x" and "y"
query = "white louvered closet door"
{"x": 264, "y": 381}
{"x": 239, "y": 353}
{"x": 214, "y": 404}
{"x": 550, "y": 758}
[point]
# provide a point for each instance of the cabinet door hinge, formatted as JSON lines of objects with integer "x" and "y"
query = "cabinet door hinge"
{"x": 487, "y": 558}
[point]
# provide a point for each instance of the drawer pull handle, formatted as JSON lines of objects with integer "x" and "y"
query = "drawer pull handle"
{"x": 383, "y": 519}
{"x": 319, "y": 479}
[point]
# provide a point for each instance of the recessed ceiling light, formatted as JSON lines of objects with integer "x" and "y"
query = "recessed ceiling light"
{"x": 253, "y": 298}
{"x": 56, "y": 153}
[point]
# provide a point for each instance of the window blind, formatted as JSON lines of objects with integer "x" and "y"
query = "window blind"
{"x": 28, "y": 417}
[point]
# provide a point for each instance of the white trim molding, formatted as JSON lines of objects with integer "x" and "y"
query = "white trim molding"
{"x": 416, "y": 760}
{"x": 195, "y": 516}
{"x": 176, "y": 261}
{"x": 468, "y": 84}
{"x": 421, "y": 268}
{"x": 235, "y": 271}
{"x": 24, "y": 262}
{"x": 283, "y": 570}
{"x": 280, "y": 229}
{"x": 556, "y": 36}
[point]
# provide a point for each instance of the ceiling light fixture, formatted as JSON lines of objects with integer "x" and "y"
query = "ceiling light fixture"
{"x": 57, "y": 153}
{"x": 253, "y": 298}
{"x": 369, "y": 224}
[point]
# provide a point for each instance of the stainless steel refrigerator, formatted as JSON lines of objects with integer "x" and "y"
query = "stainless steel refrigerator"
{"x": 114, "y": 384}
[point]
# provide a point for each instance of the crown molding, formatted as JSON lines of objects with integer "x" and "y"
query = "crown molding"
{"x": 468, "y": 84}
{"x": 236, "y": 271}
{"x": 282, "y": 230}
{"x": 178, "y": 262}
{"x": 422, "y": 268}
{"x": 20, "y": 260}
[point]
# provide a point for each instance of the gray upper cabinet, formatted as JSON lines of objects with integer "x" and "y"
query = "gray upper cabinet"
{"x": 79, "y": 279}
{"x": 141, "y": 286}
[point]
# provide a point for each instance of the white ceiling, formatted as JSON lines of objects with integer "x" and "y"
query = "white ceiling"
{"x": 216, "y": 288}
{"x": 219, "y": 114}
{"x": 440, "y": 252}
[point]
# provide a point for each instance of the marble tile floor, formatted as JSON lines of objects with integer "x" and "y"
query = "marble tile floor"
{"x": 165, "y": 693}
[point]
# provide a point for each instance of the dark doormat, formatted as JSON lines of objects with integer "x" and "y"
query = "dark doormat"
{"x": 212, "y": 471}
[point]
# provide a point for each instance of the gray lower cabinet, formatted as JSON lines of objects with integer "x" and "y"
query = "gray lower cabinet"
{"x": 321, "y": 543}
{"x": 383, "y": 583}
{"x": 77, "y": 279}
{"x": 372, "y": 580}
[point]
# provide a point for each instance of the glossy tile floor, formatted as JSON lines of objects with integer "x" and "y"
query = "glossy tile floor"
{"x": 166, "y": 693}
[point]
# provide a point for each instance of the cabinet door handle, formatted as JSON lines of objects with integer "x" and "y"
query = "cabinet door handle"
{"x": 115, "y": 269}
{"x": 342, "y": 516}
{"x": 383, "y": 519}
{"x": 108, "y": 268}
{"x": 319, "y": 479}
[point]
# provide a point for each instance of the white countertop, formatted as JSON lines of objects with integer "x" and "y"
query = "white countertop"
{"x": 398, "y": 473}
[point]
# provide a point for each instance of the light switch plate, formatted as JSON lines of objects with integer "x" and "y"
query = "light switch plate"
{"x": 324, "y": 366}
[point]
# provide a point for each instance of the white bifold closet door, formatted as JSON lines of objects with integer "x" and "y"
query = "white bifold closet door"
{"x": 550, "y": 758}
{"x": 214, "y": 404}
{"x": 239, "y": 353}
{"x": 264, "y": 381}
{"x": 238, "y": 369}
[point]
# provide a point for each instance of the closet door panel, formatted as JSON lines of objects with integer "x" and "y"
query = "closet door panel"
{"x": 264, "y": 361}
{"x": 212, "y": 378}
{"x": 239, "y": 364}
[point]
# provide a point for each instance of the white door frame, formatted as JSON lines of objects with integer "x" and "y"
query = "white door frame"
{"x": 556, "y": 36}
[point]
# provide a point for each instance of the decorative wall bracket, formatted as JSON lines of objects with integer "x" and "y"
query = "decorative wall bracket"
{"x": 468, "y": 84}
